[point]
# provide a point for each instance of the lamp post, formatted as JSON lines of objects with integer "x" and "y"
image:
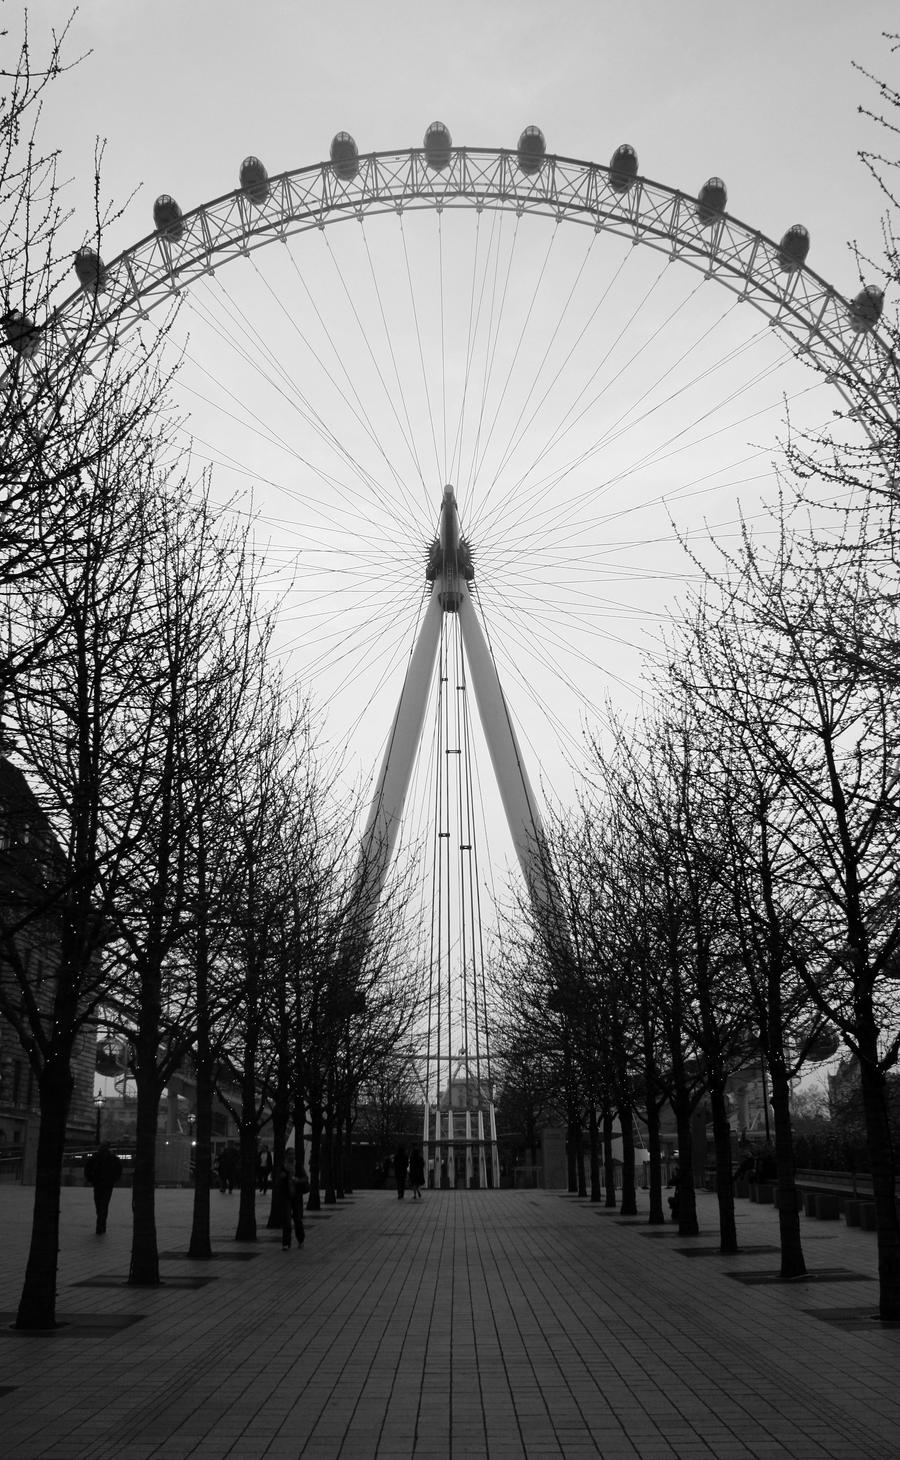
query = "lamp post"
{"x": 99, "y": 1101}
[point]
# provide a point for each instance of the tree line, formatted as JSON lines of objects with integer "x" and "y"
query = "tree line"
{"x": 178, "y": 863}
{"x": 729, "y": 883}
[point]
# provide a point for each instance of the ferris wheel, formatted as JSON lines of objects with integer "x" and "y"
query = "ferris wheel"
{"x": 467, "y": 424}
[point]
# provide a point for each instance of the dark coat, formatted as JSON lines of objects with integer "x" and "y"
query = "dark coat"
{"x": 416, "y": 1167}
{"x": 103, "y": 1168}
{"x": 292, "y": 1186}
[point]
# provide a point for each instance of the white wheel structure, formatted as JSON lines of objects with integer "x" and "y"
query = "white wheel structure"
{"x": 379, "y": 508}
{"x": 834, "y": 332}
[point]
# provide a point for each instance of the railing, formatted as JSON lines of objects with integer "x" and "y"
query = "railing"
{"x": 849, "y": 1183}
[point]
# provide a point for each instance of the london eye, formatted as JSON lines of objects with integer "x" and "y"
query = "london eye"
{"x": 474, "y": 427}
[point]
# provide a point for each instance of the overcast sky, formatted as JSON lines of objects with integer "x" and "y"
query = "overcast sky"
{"x": 763, "y": 94}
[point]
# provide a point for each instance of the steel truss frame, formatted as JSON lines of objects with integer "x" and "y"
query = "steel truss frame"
{"x": 798, "y": 303}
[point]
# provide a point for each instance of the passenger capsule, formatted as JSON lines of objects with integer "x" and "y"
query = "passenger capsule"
{"x": 22, "y": 334}
{"x": 344, "y": 157}
{"x": 167, "y": 218}
{"x": 623, "y": 166}
{"x": 531, "y": 150}
{"x": 254, "y": 181}
{"x": 437, "y": 144}
{"x": 823, "y": 1043}
{"x": 90, "y": 270}
{"x": 711, "y": 201}
{"x": 864, "y": 311}
{"x": 793, "y": 248}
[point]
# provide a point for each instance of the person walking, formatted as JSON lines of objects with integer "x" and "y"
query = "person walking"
{"x": 263, "y": 1169}
{"x": 229, "y": 1168}
{"x": 401, "y": 1166}
{"x": 102, "y": 1170}
{"x": 291, "y": 1185}
{"x": 674, "y": 1199}
{"x": 416, "y": 1172}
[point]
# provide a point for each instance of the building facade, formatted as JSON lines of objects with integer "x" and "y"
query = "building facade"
{"x": 29, "y": 955}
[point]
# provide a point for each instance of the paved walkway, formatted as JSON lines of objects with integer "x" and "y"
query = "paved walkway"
{"x": 493, "y": 1324}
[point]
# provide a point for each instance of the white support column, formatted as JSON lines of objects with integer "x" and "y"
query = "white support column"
{"x": 495, "y": 1153}
{"x": 519, "y": 801}
{"x": 482, "y": 1155}
{"x": 386, "y": 813}
{"x": 450, "y": 569}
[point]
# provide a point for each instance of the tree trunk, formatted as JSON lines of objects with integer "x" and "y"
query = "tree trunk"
{"x": 578, "y": 1136}
{"x": 878, "y": 1138}
{"x": 246, "y": 1227}
{"x": 771, "y": 1022}
{"x": 37, "y": 1304}
{"x": 346, "y": 1153}
{"x": 144, "y": 1269}
{"x": 728, "y": 1241}
{"x": 314, "y": 1203}
{"x": 571, "y": 1168}
{"x": 300, "y": 1123}
{"x": 654, "y": 1146}
{"x": 792, "y": 1261}
{"x": 329, "y": 1193}
{"x": 280, "y": 1118}
{"x": 688, "y": 1226}
{"x": 609, "y": 1169}
{"x": 200, "y": 1246}
{"x": 629, "y": 1196}
{"x": 338, "y": 1162}
{"x": 280, "y": 1102}
{"x": 594, "y": 1137}
{"x": 531, "y": 1134}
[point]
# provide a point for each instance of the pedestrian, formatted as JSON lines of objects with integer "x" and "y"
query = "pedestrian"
{"x": 228, "y": 1165}
{"x": 263, "y": 1169}
{"x": 744, "y": 1167}
{"x": 766, "y": 1169}
{"x": 102, "y": 1170}
{"x": 416, "y": 1172}
{"x": 674, "y": 1199}
{"x": 401, "y": 1166}
{"x": 291, "y": 1186}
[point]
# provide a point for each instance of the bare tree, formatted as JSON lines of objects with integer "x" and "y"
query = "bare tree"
{"x": 71, "y": 713}
{"x": 59, "y": 419}
{"x": 781, "y": 667}
{"x": 198, "y": 599}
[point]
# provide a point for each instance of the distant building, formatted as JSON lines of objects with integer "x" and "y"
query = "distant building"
{"x": 749, "y": 1101}
{"x": 29, "y": 855}
{"x": 177, "y": 1113}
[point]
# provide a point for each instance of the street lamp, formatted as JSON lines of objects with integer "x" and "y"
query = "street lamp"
{"x": 99, "y": 1101}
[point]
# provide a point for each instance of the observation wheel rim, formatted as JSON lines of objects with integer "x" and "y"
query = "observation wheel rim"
{"x": 801, "y": 305}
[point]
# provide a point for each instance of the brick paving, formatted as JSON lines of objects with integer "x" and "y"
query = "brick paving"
{"x": 471, "y": 1324}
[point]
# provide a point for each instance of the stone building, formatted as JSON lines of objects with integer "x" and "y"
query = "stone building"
{"x": 29, "y": 944}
